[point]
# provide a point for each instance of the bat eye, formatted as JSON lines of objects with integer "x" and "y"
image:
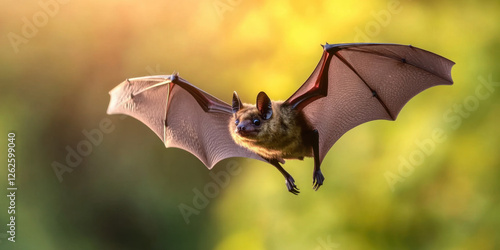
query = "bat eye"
{"x": 256, "y": 122}
{"x": 237, "y": 122}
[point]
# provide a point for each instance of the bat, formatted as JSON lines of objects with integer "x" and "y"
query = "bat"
{"x": 352, "y": 84}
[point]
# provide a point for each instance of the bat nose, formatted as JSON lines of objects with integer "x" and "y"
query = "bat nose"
{"x": 241, "y": 128}
{"x": 245, "y": 129}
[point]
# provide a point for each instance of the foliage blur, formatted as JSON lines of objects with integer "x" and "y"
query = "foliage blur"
{"x": 127, "y": 193}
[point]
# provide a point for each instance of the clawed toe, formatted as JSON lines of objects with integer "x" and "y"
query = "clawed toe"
{"x": 318, "y": 179}
{"x": 290, "y": 184}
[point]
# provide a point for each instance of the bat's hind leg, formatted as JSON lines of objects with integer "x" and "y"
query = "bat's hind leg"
{"x": 290, "y": 182}
{"x": 318, "y": 177}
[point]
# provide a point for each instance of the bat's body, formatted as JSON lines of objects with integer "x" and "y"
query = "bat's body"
{"x": 275, "y": 131}
{"x": 285, "y": 136}
{"x": 352, "y": 84}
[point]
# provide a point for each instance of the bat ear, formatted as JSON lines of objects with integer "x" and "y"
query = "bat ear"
{"x": 264, "y": 106}
{"x": 237, "y": 105}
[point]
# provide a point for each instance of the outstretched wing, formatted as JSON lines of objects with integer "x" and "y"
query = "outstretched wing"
{"x": 182, "y": 115}
{"x": 356, "y": 83}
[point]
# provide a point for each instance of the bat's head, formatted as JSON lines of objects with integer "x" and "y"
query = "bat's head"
{"x": 267, "y": 128}
{"x": 250, "y": 122}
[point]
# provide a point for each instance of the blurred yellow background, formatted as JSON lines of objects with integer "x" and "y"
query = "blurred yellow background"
{"x": 389, "y": 185}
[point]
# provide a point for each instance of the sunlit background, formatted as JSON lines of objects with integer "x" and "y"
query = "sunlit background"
{"x": 389, "y": 185}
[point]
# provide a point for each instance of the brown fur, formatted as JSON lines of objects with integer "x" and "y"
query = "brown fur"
{"x": 280, "y": 137}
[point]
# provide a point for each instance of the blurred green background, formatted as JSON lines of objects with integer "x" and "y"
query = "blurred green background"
{"x": 382, "y": 191}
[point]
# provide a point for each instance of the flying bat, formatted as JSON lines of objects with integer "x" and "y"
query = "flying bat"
{"x": 352, "y": 84}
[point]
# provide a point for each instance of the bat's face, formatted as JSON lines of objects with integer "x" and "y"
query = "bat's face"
{"x": 247, "y": 123}
{"x": 249, "y": 130}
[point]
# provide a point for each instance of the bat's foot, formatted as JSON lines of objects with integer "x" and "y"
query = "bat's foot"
{"x": 290, "y": 184}
{"x": 318, "y": 179}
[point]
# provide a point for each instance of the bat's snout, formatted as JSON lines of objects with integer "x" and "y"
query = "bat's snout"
{"x": 245, "y": 130}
